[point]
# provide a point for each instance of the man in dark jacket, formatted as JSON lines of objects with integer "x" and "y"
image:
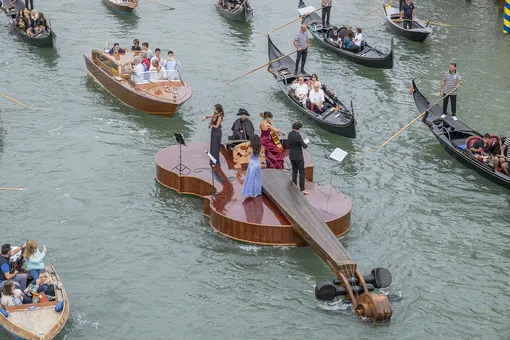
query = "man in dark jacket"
{"x": 242, "y": 129}
{"x": 296, "y": 144}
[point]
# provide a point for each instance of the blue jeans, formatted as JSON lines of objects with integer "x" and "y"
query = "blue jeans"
{"x": 20, "y": 281}
{"x": 34, "y": 273}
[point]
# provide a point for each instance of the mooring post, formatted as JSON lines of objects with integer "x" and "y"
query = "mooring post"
{"x": 506, "y": 17}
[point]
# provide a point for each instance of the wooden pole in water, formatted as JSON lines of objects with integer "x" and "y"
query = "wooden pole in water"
{"x": 378, "y": 8}
{"x": 15, "y": 101}
{"x": 157, "y": 3}
{"x": 13, "y": 189}
{"x": 290, "y": 22}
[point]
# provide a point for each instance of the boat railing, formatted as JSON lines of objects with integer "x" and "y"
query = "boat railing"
{"x": 155, "y": 76}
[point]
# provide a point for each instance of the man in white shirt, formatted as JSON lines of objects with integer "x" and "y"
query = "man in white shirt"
{"x": 316, "y": 97}
{"x": 157, "y": 56}
{"x": 145, "y": 47}
{"x": 138, "y": 70}
{"x": 300, "y": 90}
{"x": 171, "y": 64}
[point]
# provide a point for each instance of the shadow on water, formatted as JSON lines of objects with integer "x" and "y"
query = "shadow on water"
{"x": 241, "y": 31}
{"x": 128, "y": 21}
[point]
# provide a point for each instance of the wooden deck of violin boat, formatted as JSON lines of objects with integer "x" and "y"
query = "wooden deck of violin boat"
{"x": 254, "y": 220}
{"x": 163, "y": 97}
{"x": 46, "y": 39}
{"x": 242, "y": 14}
{"x": 341, "y": 122}
{"x": 453, "y": 136}
{"x": 369, "y": 56}
{"x": 122, "y": 6}
{"x": 419, "y": 32}
{"x": 37, "y": 320}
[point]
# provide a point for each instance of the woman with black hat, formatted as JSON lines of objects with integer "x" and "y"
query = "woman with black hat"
{"x": 242, "y": 129}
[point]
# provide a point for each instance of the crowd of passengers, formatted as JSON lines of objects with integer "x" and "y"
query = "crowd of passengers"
{"x": 13, "y": 281}
{"x": 31, "y": 22}
{"x": 310, "y": 94}
{"x": 351, "y": 41}
{"x": 146, "y": 60}
{"x": 231, "y": 4}
{"x": 493, "y": 151}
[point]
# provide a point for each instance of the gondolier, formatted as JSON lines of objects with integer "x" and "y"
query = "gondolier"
{"x": 326, "y": 11}
{"x": 301, "y": 42}
{"x": 451, "y": 82}
{"x": 407, "y": 14}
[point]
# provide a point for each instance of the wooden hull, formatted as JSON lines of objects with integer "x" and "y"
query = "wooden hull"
{"x": 255, "y": 220}
{"x": 418, "y": 34}
{"x": 19, "y": 324}
{"x": 244, "y": 15}
{"x": 132, "y": 97}
{"x": 126, "y": 8}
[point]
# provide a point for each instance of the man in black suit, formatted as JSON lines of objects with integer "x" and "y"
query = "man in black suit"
{"x": 296, "y": 144}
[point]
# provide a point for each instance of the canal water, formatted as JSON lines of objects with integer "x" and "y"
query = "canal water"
{"x": 141, "y": 262}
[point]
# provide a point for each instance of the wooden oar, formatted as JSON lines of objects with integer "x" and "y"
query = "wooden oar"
{"x": 378, "y": 8}
{"x": 436, "y": 23}
{"x": 17, "y": 102}
{"x": 13, "y": 189}
{"x": 157, "y": 3}
{"x": 290, "y": 22}
{"x": 415, "y": 119}
{"x": 258, "y": 68}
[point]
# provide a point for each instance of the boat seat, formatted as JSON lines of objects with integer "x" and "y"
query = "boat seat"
{"x": 493, "y": 140}
{"x": 471, "y": 140}
{"x": 342, "y": 32}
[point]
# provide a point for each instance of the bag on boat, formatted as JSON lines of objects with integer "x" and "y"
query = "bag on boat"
{"x": 39, "y": 297}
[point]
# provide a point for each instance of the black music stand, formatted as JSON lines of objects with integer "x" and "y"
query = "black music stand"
{"x": 214, "y": 162}
{"x": 181, "y": 167}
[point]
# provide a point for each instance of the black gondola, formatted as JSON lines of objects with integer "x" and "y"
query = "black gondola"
{"x": 456, "y": 138}
{"x": 368, "y": 56}
{"x": 45, "y": 39}
{"x": 418, "y": 33}
{"x": 243, "y": 13}
{"x": 341, "y": 122}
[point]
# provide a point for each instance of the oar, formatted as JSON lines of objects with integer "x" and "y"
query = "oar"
{"x": 17, "y": 102}
{"x": 258, "y": 68}
{"x": 378, "y": 8}
{"x": 436, "y": 23}
{"x": 290, "y": 22}
{"x": 415, "y": 119}
{"x": 157, "y": 3}
{"x": 13, "y": 189}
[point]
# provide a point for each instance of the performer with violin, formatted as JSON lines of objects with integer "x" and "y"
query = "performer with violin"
{"x": 215, "y": 125}
{"x": 269, "y": 139}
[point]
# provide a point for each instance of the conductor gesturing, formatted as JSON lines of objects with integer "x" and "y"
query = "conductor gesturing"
{"x": 296, "y": 144}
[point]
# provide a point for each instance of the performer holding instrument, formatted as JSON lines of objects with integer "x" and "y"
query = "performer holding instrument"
{"x": 215, "y": 124}
{"x": 269, "y": 139}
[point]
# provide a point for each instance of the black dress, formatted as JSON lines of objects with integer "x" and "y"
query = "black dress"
{"x": 215, "y": 141}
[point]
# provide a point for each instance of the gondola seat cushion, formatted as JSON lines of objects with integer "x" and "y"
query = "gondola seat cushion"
{"x": 59, "y": 306}
{"x": 4, "y": 312}
{"x": 493, "y": 140}
{"x": 342, "y": 32}
{"x": 471, "y": 140}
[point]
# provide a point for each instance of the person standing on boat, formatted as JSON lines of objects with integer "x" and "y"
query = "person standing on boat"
{"x": 449, "y": 86}
{"x": 326, "y": 12}
{"x": 31, "y": 2}
{"x": 116, "y": 49}
{"x": 215, "y": 125}
{"x": 296, "y": 146}
{"x": 252, "y": 185}
{"x": 407, "y": 14}
{"x": 171, "y": 65}
{"x": 301, "y": 42}
{"x": 242, "y": 129}
{"x": 20, "y": 280}
{"x": 145, "y": 48}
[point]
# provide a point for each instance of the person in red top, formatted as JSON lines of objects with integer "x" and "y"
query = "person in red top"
{"x": 145, "y": 61}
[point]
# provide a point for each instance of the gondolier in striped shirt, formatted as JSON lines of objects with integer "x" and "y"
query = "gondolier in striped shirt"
{"x": 449, "y": 86}
{"x": 326, "y": 11}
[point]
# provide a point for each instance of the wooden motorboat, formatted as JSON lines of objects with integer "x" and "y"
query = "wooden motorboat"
{"x": 122, "y": 6}
{"x": 456, "y": 138}
{"x": 242, "y": 12}
{"x": 368, "y": 56}
{"x": 282, "y": 215}
{"x": 37, "y": 321}
{"x": 419, "y": 32}
{"x": 154, "y": 92}
{"x": 45, "y": 39}
{"x": 339, "y": 121}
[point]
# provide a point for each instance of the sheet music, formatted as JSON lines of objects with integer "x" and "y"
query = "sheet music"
{"x": 306, "y": 140}
{"x": 338, "y": 155}
{"x": 306, "y": 10}
{"x": 211, "y": 157}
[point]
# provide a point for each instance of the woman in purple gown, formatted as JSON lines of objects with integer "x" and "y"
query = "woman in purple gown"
{"x": 274, "y": 156}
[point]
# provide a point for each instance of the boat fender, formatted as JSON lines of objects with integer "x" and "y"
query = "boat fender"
{"x": 4, "y": 312}
{"x": 59, "y": 306}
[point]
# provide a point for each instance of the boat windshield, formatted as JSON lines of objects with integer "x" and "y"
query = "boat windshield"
{"x": 155, "y": 76}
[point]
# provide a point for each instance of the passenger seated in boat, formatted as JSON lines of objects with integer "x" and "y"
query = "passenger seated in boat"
{"x": 138, "y": 70}
{"x": 358, "y": 38}
{"x": 34, "y": 259}
{"x": 29, "y": 22}
{"x": 157, "y": 56}
{"x": 312, "y": 81}
{"x": 17, "y": 297}
{"x": 145, "y": 61}
{"x": 146, "y": 49}
{"x": 349, "y": 43}
{"x": 300, "y": 90}
{"x": 43, "y": 284}
{"x": 317, "y": 100}
{"x": 156, "y": 73}
{"x": 335, "y": 37}
{"x": 136, "y": 45}
{"x": 12, "y": 296}
{"x": 481, "y": 146}
{"x": 116, "y": 49}
{"x": 33, "y": 15}
{"x": 502, "y": 158}
{"x": 41, "y": 24}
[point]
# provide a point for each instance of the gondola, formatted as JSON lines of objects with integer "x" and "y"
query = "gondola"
{"x": 368, "y": 56}
{"x": 418, "y": 33}
{"x": 46, "y": 39}
{"x": 122, "y": 6}
{"x": 341, "y": 122}
{"x": 456, "y": 138}
{"x": 243, "y": 13}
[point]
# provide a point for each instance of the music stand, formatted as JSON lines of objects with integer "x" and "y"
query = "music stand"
{"x": 214, "y": 162}
{"x": 338, "y": 155}
{"x": 181, "y": 167}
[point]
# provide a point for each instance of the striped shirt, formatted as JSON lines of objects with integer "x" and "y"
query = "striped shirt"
{"x": 450, "y": 81}
{"x": 507, "y": 145}
{"x": 325, "y": 2}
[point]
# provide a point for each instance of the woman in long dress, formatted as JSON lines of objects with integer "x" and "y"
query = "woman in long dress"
{"x": 252, "y": 186}
{"x": 274, "y": 156}
{"x": 215, "y": 125}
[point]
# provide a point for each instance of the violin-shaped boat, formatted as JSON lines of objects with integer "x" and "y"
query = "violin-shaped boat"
{"x": 122, "y": 6}
{"x": 156, "y": 92}
{"x": 42, "y": 320}
{"x": 282, "y": 215}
